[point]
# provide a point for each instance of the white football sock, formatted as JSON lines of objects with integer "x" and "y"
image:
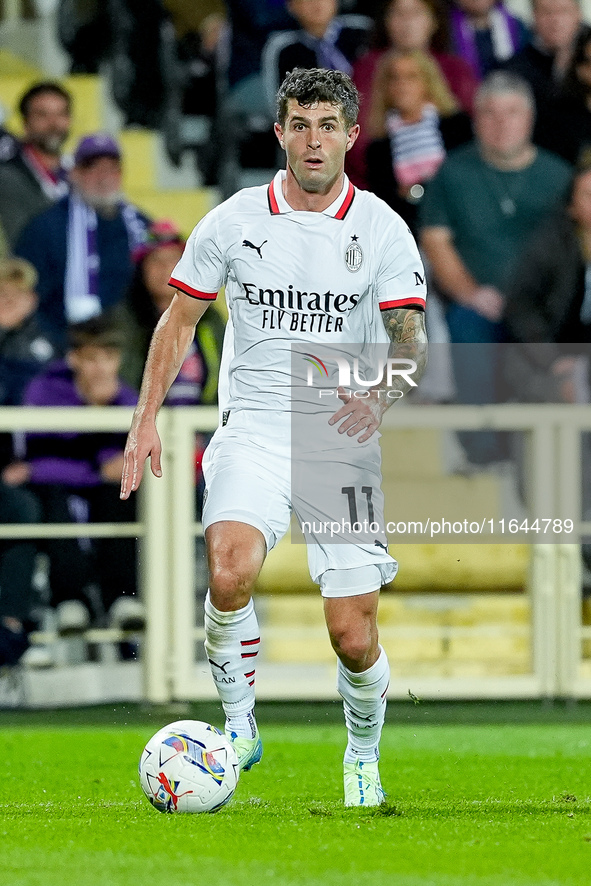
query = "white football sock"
{"x": 232, "y": 642}
{"x": 364, "y": 702}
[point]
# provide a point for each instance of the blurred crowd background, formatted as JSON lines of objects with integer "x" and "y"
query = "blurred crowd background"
{"x": 475, "y": 127}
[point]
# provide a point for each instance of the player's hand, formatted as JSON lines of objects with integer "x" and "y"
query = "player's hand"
{"x": 358, "y": 416}
{"x": 142, "y": 441}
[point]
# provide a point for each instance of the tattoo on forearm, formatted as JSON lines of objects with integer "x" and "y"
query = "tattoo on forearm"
{"x": 407, "y": 333}
{"x": 405, "y": 325}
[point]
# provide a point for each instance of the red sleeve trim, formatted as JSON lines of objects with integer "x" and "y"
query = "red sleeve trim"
{"x": 416, "y": 303}
{"x": 194, "y": 293}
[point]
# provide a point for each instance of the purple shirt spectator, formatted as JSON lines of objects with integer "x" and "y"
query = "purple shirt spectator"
{"x": 70, "y": 458}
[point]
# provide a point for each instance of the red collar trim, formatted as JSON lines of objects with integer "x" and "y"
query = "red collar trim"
{"x": 340, "y": 213}
{"x": 273, "y": 205}
{"x": 346, "y": 204}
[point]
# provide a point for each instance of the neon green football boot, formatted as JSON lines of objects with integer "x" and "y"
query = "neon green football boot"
{"x": 249, "y": 750}
{"x": 362, "y": 784}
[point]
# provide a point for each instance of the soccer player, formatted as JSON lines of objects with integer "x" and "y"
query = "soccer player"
{"x": 308, "y": 259}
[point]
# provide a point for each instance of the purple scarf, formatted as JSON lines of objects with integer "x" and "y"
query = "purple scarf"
{"x": 504, "y": 34}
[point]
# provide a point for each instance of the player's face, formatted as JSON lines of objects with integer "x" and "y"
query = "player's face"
{"x": 96, "y": 372}
{"x": 99, "y": 181}
{"x": 315, "y": 140}
{"x": 410, "y": 24}
{"x": 503, "y": 124}
{"x": 407, "y": 90}
{"x": 580, "y": 204}
{"x": 157, "y": 268}
{"x": 47, "y": 124}
{"x": 556, "y": 22}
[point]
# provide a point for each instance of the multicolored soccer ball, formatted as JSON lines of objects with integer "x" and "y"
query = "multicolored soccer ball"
{"x": 189, "y": 766}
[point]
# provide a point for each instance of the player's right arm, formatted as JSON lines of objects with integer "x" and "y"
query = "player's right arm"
{"x": 169, "y": 347}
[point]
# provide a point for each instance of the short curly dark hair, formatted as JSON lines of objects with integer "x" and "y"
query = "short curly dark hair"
{"x": 45, "y": 87}
{"x": 311, "y": 85}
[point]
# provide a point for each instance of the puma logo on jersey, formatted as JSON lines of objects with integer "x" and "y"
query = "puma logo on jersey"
{"x": 250, "y": 245}
{"x": 222, "y": 667}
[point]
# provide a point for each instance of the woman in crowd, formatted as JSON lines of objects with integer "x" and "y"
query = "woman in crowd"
{"x": 414, "y": 121}
{"x": 407, "y": 25}
{"x": 148, "y": 297}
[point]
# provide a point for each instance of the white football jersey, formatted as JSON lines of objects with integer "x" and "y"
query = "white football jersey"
{"x": 293, "y": 276}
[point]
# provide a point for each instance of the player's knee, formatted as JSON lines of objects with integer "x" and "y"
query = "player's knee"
{"x": 230, "y": 587}
{"x": 353, "y": 645}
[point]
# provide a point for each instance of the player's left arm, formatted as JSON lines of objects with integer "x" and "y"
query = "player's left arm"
{"x": 408, "y": 337}
{"x": 407, "y": 333}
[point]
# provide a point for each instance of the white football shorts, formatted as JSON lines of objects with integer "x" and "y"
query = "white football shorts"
{"x": 248, "y": 475}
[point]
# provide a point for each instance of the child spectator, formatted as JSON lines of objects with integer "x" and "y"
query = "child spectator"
{"x": 25, "y": 348}
{"x": 76, "y": 476}
{"x": 25, "y": 345}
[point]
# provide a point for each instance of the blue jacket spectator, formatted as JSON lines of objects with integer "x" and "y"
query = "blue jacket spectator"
{"x": 82, "y": 246}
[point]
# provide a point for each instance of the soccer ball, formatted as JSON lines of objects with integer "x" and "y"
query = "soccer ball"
{"x": 189, "y": 766}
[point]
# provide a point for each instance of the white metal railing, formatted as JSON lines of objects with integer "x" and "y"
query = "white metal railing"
{"x": 166, "y": 527}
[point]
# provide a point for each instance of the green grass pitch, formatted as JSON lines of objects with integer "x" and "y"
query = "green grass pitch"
{"x": 470, "y": 804}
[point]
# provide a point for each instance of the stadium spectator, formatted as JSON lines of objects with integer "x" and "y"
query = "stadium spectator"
{"x": 544, "y": 61}
{"x": 24, "y": 350}
{"x": 25, "y": 347}
{"x": 414, "y": 120}
{"x": 75, "y": 476}
{"x": 406, "y": 25}
{"x": 148, "y": 297}
{"x": 548, "y": 306}
{"x": 251, "y": 21}
{"x": 324, "y": 40}
{"x": 82, "y": 246}
{"x": 476, "y": 216}
{"x": 17, "y": 564}
{"x": 150, "y": 294}
{"x": 137, "y": 59}
{"x": 567, "y": 116}
{"x": 86, "y": 33}
{"x": 485, "y": 34}
{"x": 9, "y": 144}
{"x": 35, "y": 176}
